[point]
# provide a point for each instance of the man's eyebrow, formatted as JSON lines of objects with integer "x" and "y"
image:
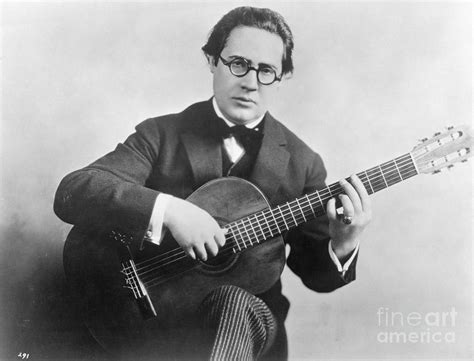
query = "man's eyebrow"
{"x": 251, "y": 62}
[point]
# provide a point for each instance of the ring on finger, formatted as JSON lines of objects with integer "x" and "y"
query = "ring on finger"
{"x": 347, "y": 219}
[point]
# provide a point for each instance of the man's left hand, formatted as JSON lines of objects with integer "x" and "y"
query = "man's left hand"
{"x": 345, "y": 228}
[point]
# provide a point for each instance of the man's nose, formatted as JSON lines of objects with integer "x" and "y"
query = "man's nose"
{"x": 250, "y": 80}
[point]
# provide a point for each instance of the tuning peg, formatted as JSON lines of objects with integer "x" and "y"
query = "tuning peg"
{"x": 436, "y": 134}
{"x": 436, "y": 171}
{"x": 450, "y": 166}
{"x": 423, "y": 140}
{"x": 464, "y": 161}
{"x": 449, "y": 127}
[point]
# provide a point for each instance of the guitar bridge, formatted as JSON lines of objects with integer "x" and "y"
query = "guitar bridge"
{"x": 138, "y": 288}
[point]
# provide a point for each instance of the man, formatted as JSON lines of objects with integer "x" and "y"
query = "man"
{"x": 140, "y": 188}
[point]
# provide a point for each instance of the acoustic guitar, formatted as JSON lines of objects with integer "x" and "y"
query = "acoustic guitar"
{"x": 131, "y": 299}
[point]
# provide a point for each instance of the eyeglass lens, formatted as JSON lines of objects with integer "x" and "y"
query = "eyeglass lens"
{"x": 240, "y": 67}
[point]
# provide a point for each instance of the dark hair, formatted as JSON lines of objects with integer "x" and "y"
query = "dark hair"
{"x": 264, "y": 19}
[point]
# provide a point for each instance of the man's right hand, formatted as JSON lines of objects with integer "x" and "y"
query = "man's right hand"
{"x": 193, "y": 228}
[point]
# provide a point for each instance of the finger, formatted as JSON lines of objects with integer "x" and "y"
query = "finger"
{"x": 212, "y": 248}
{"x": 350, "y": 191}
{"x": 191, "y": 253}
{"x": 347, "y": 205}
{"x": 331, "y": 209}
{"x": 364, "y": 196}
{"x": 220, "y": 237}
{"x": 201, "y": 253}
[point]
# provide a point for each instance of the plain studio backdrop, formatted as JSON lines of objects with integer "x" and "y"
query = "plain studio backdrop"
{"x": 370, "y": 79}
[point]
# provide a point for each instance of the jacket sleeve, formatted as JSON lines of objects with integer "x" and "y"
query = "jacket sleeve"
{"x": 110, "y": 194}
{"x": 309, "y": 256}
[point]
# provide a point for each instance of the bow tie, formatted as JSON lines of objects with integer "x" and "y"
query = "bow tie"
{"x": 240, "y": 131}
{"x": 249, "y": 138}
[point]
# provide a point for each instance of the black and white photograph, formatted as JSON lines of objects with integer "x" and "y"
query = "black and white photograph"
{"x": 236, "y": 180}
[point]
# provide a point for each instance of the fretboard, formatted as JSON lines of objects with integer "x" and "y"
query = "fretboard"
{"x": 271, "y": 222}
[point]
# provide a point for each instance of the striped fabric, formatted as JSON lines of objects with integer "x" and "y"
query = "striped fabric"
{"x": 242, "y": 325}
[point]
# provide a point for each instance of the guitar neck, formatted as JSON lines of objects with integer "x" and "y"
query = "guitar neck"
{"x": 272, "y": 222}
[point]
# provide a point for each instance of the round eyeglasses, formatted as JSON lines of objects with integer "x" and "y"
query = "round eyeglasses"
{"x": 241, "y": 66}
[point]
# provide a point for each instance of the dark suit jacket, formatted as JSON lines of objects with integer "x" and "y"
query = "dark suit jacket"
{"x": 178, "y": 153}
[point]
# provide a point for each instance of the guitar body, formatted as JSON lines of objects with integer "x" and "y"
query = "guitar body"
{"x": 93, "y": 267}
{"x": 118, "y": 290}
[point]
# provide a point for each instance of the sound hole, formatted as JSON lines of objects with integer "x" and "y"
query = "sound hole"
{"x": 223, "y": 261}
{"x": 220, "y": 263}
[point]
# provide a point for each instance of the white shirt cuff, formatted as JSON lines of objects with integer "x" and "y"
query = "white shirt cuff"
{"x": 343, "y": 269}
{"x": 155, "y": 230}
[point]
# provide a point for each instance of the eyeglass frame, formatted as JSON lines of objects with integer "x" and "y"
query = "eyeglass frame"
{"x": 228, "y": 63}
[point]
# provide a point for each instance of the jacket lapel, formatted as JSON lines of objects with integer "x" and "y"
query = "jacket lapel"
{"x": 272, "y": 159}
{"x": 204, "y": 150}
{"x": 205, "y": 157}
{"x": 203, "y": 146}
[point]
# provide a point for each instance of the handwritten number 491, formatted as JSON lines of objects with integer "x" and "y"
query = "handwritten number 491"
{"x": 23, "y": 355}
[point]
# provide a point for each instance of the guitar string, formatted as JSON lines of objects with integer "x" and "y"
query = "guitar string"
{"x": 223, "y": 251}
{"x": 165, "y": 254}
{"x": 163, "y": 278}
{"x": 291, "y": 207}
{"x": 373, "y": 185}
{"x": 133, "y": 285}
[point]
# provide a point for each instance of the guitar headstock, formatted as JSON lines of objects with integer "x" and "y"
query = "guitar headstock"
{"x": 443, "y": 149}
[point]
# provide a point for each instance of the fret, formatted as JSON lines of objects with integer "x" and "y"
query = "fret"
{"x": 268, "y": 226}
{"x": 320, "y": 200}
{"x": 409, "y": 164}
{"x": 261, "y": 230}
{"x": 282, "y": 216}
{"x": 390, "y": 172}
{"x": 236, "y": 239}
{"x": 374, "y": 179}
{"x": 329, "y": 190}
{"x": 274, "y": 219}
{"x": 253, "y": 230}
{"x": 241, "y": 237}
{"x": 404, "y": 166}
{"x": 301, "y": 209}
{"x": 398, "y": 170}
{"x": 310, "y": 205}
{"x": 245, "y": 230}
{"x": 414, "y": 164}
{"x": 381, "y": 171}
{"x": 368, "y": 181}
{"x": 291, "y": 212}
{"x": 376, "y": 184}
{"x": 403, "y": 162}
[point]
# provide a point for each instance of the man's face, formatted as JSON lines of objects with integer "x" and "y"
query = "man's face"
{"x": 244, "y": 99}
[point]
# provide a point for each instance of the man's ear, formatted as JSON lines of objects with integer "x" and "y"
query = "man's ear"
{"x": 211, "y": 63}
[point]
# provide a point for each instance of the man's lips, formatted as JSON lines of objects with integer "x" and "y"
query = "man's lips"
{"x": 244, "y": 99}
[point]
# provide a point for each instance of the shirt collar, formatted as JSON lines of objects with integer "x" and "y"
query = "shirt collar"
{"x": 252, "y": 124}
